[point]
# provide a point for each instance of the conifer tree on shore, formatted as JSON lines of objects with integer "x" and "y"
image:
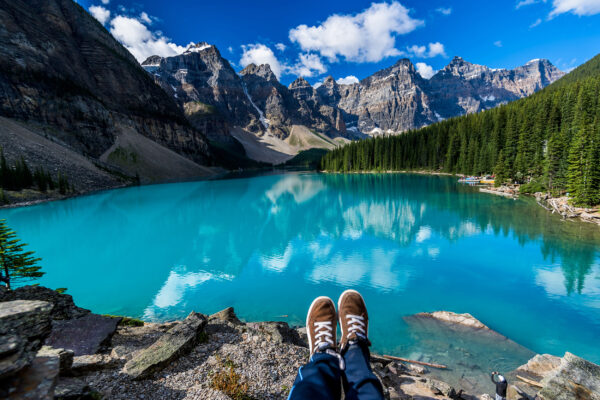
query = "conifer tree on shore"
{"x": 16, "y": 264}
{"x": 551, "y": 138}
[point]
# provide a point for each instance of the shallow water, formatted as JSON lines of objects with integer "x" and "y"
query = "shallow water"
{"x": 268, "y": 245}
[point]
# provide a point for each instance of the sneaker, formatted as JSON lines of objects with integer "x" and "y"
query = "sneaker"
{"x": 354, "y": 320}
{"x": 321, "y": 325}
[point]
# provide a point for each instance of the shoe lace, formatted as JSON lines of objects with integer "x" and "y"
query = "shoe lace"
{"x": 323, "y": 334}
{"x": 356, "y": 325}
{"x": 324, "y": 341}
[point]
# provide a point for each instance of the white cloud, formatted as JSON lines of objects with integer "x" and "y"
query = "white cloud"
{"x": 577, "y": 7}
{"x": 444, "y": 11}
{"x": 105, "y": 2}
{"x": 426, "y": 71}
{"x": 536, "y": 23}
{"x": 308, "y": 65}
{"x": 100, "y": 13}
{"x": 498, "y": 43}
{"x": 368, "y": 36}
{"x": 145, "y": 18}
{"x": 230, "y": 49}
{"x": 140, "y": 41}
{"x": 280, "y": 46}
{"x": 522, "y": 3}
{"x": 260, "y": 54}
{"x": 429, "y": 51}
{"x": 349, "y": 80}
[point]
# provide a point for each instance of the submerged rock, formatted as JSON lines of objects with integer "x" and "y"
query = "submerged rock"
{"x": 177, "y": 340}
{"x": 85, "y": 335}
{"x": 465, "y": 319}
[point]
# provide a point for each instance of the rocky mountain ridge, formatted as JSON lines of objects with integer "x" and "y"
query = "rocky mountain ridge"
{"x": 65, "y": 80}
{"x": 390, "y": 101}
{"x": 397, "y": 98}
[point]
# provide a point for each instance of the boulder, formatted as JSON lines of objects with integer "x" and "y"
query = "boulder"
{"x": 35, "y": 382}
{"x": 575, "y": 378}
{"x": 540, "y": 366}
{"x": 226, "y": 315}
{"x": 92, "y": 362}
{"x": 176, "y": 341}
{"x": 23, "y": 326}
{"x": 72, "y": 389}
{"x": 455, "y": 319}
{"x": 64, "y": 307}
{"x": 277, "y": 331}
{"x": 65, "y": 357}
{"x": 441, "y": 388}
{"x": 86, "y": 335}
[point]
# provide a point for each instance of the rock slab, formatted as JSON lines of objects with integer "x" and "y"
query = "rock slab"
{"x": 575, "y": 378}
{"x": 64, "y": 307}
{"x": 23, "y": 326}
{"x": 176, "y": 341}
{"x": 85, "y": 335}
{"x": 36, "y": 382}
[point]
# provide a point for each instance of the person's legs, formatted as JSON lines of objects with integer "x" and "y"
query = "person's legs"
{"x": 320, "y": 378}
{"x": 360, "y": 383}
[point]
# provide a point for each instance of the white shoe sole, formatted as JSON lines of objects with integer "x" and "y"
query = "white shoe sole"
{"x": 340, "y": 302}
{"x": 310, "y": 346}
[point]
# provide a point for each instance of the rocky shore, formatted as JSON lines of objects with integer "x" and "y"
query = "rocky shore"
{"x": 50, "y": 348}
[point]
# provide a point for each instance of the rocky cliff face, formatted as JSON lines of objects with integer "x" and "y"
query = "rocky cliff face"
{"x": 208, "y": 89}
{"x": 397, "y": 99}
{"x": 61, "y": 68}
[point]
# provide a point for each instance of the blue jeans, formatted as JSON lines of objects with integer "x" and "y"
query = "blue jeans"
{"x": 320, "y": 378}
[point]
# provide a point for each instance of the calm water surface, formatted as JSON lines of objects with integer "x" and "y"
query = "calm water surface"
{"x": 268, "y": 245}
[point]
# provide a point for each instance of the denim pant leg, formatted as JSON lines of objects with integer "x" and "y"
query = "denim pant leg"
{"x": 360, "y": 383}
{"x": 319, "y": 379}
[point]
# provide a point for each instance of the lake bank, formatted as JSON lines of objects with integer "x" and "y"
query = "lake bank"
{"x": 243, "y": 242}
{"x": 221, "y": 357}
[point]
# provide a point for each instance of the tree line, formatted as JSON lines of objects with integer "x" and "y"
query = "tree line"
{"x": 19, "y": 176}
{"x": 549, "y": 141}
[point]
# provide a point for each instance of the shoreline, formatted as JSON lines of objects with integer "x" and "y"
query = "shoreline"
{"x": 220, "y": 357}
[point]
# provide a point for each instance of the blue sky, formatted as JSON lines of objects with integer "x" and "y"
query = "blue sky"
{"x": 352, "y": 38}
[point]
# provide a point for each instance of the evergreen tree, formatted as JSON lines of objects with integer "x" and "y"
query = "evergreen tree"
{"x": 16, "y": 264}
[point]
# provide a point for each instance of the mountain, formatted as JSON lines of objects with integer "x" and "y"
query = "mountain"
{"x": 398, "y": 99}
{"x": 67, "y": 84}
{"x": 549, "y": 141}
{"x": 253, "y": 107}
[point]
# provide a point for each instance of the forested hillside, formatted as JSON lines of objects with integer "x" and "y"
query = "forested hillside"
{"x": 550, "y": 140}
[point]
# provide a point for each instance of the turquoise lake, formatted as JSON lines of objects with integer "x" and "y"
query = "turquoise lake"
{"x": 267, "y": 245}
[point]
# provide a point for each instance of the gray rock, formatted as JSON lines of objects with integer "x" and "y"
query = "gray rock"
{"x": 176, "y": 341}
{"x": 92, "y": 362}
{"x": 64, "y": 307}
{"x": 575, "y": 378}
{"x": 226, "y": 315}
{"x": 35, "y": 382}
{"x": 23, "y": 326}
{"x": 65, "y": 357}
{"x": 72, "y": 389}
{"x": 14, "y": 355}
{"x": 439, "y": 387}
{"x": 85, "y": 335}
{"x": 30, "y": 319}
{"x": 277, "y": 331}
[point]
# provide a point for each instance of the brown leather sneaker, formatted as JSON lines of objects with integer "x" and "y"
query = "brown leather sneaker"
{"x": 354, "y": 320}
{"x": 321, "y": 325}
